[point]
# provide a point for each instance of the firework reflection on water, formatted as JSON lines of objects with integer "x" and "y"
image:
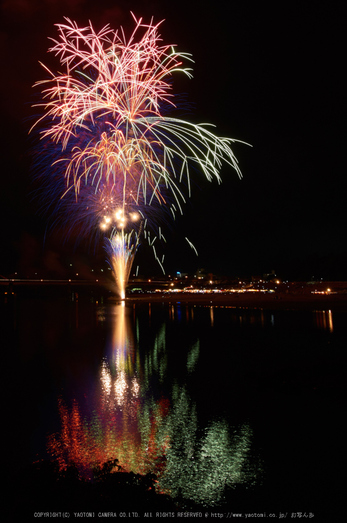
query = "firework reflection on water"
{"x": 147, "y": 430}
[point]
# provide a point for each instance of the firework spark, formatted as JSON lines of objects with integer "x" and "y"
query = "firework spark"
{"x": 124, "y": 161}
{"x": 122, "y": 249}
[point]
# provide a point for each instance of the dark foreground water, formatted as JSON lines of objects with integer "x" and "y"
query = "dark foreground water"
{"x": 192, "y": 409}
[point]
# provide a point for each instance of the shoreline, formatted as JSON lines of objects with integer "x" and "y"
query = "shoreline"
{"x": 299, "y": 296}
{"x": 334, "y": 302}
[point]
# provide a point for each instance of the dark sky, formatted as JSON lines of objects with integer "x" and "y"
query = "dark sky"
{"x": 271, "y": 75}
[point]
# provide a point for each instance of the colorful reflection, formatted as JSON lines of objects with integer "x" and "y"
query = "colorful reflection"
{"x": 128, "y": 418}
{"x": 324, "y": 320}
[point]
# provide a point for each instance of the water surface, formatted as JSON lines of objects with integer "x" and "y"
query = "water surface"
{"x": 223, "y": 405}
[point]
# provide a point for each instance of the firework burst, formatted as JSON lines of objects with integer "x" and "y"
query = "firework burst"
{"x": 123, "y": 160}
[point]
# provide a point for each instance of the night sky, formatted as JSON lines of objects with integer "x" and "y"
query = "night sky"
{"x": 270, "y": 76}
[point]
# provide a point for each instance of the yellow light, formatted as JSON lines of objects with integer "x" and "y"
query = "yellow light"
{"x": 119, "y": 215}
